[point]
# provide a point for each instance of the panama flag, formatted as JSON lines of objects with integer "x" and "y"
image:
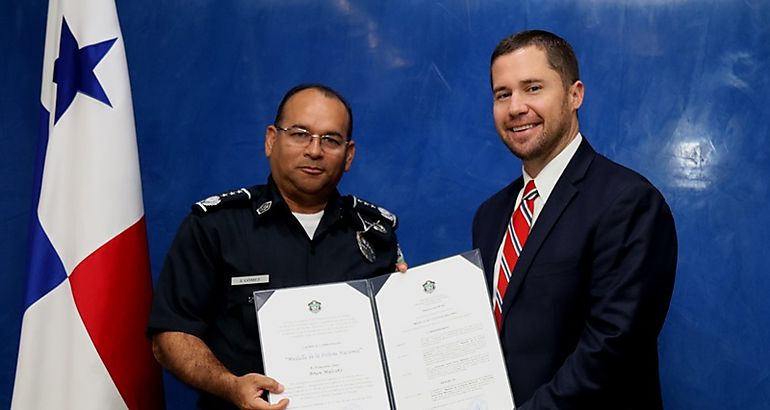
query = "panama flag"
{"x": 89, "y": 288}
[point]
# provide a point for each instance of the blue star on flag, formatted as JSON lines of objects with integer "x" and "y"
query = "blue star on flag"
{"x": 73, "y": 70}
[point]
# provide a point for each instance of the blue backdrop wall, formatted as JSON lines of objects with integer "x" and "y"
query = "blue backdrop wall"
{"x": 676, "y": 89}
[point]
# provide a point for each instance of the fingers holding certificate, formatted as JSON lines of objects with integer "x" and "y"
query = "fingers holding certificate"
{"x": 421, "y": 340}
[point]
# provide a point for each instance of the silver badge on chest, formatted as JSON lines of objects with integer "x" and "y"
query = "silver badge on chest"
{"x": 365, "y": 247}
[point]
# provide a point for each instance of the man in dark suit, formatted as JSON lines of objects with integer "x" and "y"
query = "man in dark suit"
{"x": 581, "y": 303}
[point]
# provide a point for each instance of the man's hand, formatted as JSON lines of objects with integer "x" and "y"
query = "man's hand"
{"x": 400, "y": 260}
{"x": 248, "y": 389}
{"x": 189, "y": 359}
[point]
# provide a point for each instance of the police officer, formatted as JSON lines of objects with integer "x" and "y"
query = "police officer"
{"x": 295, "y": 230}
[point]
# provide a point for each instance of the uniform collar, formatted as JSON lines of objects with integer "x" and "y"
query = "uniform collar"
{"x": 270, "y": 200}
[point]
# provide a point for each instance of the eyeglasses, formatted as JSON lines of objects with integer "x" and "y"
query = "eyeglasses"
{"x": 301, "y": 137}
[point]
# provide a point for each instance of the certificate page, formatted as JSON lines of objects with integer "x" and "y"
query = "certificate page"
{"x": 440, "y": 339}
{"x": 320, "y": 343}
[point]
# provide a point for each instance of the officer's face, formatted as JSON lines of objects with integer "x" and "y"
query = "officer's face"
{"x": 306, "y": 174}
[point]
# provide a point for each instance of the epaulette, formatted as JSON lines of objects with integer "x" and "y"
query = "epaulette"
{"x": 223, "y": 200}
{"x": 373, "y": 212}
{"x": 372, "y": 223}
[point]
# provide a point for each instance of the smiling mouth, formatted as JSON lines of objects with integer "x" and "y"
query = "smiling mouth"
{"x": 523, "y": 127}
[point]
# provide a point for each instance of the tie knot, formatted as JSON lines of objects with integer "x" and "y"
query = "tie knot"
{"x": 530, "y": 191}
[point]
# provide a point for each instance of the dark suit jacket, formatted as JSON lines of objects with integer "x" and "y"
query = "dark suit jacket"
{"x": 590, "y": 291}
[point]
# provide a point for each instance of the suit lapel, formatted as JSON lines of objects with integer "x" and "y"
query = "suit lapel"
{"x": 562, "y": 194}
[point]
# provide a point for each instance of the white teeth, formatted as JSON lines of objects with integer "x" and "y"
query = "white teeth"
{"x": 523, "y": 127}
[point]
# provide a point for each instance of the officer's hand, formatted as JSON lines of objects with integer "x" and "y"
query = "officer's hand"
{"x": 248, "y": 390}
{"x": 400, "y": 260}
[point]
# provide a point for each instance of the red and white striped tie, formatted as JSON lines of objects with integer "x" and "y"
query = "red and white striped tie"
{"x": 515, "y": 237}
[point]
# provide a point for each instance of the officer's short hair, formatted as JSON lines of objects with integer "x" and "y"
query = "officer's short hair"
{"x": 326, "y": 91}
{"x": 560, "y": 55}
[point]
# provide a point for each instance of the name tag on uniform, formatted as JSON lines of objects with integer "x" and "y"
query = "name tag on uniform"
{"x": 249, "y": 280}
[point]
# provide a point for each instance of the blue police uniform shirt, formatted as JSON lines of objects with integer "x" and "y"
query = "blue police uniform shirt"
{"x": 243, "y": 241}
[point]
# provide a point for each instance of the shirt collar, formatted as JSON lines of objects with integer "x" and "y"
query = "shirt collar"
{"x": 271, "y": 195}
{"x": 550, "y": 174}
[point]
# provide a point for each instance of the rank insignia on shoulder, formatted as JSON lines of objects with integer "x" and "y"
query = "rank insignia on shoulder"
{"x": 216, "y": 201}
{"x": 375, "y": 212}
{"x": 374, "y": 226}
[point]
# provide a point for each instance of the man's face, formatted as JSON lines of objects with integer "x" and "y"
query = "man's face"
{"x": 534, "y": 115}
{"x": 307, "y": 175}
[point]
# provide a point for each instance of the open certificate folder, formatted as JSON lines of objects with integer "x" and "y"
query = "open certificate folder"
{"x": 419, "y": 340}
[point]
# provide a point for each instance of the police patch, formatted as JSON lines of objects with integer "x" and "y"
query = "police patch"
{"x": 264, "y": 207}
